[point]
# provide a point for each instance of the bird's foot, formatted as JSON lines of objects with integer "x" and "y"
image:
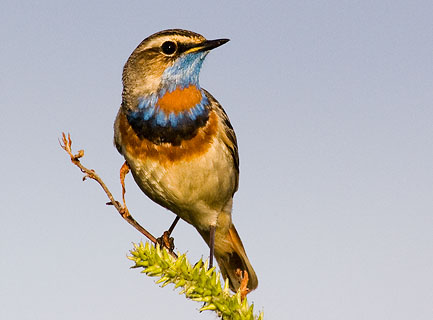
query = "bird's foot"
{"x": 166, "y": 241}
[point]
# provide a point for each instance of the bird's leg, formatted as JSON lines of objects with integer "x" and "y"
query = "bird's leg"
{"x": 165, "y": 240}
{"x": 170, "y": 230}
{"x": 211, "y": 245}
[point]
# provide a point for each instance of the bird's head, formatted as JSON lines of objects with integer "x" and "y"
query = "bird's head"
{"x": 166, "y": 61}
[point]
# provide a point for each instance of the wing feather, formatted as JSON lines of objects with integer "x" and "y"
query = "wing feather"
{"x": 230, "y": 136}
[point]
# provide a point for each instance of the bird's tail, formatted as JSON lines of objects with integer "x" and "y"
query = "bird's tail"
{"x": 231, "y": 257}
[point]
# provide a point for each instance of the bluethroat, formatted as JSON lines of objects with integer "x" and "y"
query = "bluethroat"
{"x": 179, "y": 143}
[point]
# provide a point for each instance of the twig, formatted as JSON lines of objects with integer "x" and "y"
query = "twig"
{"x": 243, "y": 289}
{"x": 91, "y": 174}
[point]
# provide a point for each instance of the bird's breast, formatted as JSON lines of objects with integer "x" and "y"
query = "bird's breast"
{"x": 138, "y": 147}
{"x": 170, "y": 116}
{"x": 195, "y": 179}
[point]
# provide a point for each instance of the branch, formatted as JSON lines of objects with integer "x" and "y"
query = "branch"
{"x": 91, "y": 174}
{"x": 197, "y": 282}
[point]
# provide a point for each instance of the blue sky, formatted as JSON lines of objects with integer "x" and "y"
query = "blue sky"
{"x": 332, "y": 103}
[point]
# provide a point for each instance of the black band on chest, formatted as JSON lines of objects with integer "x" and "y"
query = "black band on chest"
{"x": 176, "y": 128}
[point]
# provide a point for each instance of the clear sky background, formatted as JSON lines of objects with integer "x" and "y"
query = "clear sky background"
{"x": 332, "y": 103}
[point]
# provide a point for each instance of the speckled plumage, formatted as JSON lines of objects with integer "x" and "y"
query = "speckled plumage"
{"x": 179, "y": 142}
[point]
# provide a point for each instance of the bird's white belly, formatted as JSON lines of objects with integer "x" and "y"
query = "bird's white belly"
{"x": 196, "y": 189}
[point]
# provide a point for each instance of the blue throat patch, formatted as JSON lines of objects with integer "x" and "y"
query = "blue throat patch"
{"x": 184, "y": 72}
{"x": 151, "y": 122}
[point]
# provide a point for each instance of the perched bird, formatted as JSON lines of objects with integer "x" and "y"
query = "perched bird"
{"x": 179, "y": 143}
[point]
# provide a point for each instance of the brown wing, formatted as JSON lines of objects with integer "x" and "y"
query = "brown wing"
{"x": 230, "y": 136}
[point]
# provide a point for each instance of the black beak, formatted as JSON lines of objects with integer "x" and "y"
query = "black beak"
{"x": 206, "y": 45}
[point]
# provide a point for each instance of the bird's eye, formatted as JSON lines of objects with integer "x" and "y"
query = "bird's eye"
{"x": 169, "y": 47}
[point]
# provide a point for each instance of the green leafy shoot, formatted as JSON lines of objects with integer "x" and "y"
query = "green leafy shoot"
{"x": 196, "y": 282}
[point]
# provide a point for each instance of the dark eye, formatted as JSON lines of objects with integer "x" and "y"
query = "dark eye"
{"x": 169, "y": 47}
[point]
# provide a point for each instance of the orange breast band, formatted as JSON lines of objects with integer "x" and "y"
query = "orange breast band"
{"x": 180, "y": 99}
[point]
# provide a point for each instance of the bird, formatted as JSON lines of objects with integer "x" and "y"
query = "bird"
{"x": 180, "y": 145}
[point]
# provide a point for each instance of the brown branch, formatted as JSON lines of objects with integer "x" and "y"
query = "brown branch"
{"x": 91, "y": 174}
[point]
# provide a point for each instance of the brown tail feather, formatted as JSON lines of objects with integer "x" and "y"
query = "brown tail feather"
{"x": 230, "y": 255}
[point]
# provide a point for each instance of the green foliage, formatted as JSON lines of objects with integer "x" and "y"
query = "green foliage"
{"x": 197, "y": 282}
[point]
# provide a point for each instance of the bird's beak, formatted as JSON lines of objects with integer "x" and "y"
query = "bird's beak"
{"x": 206, "y": 45}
